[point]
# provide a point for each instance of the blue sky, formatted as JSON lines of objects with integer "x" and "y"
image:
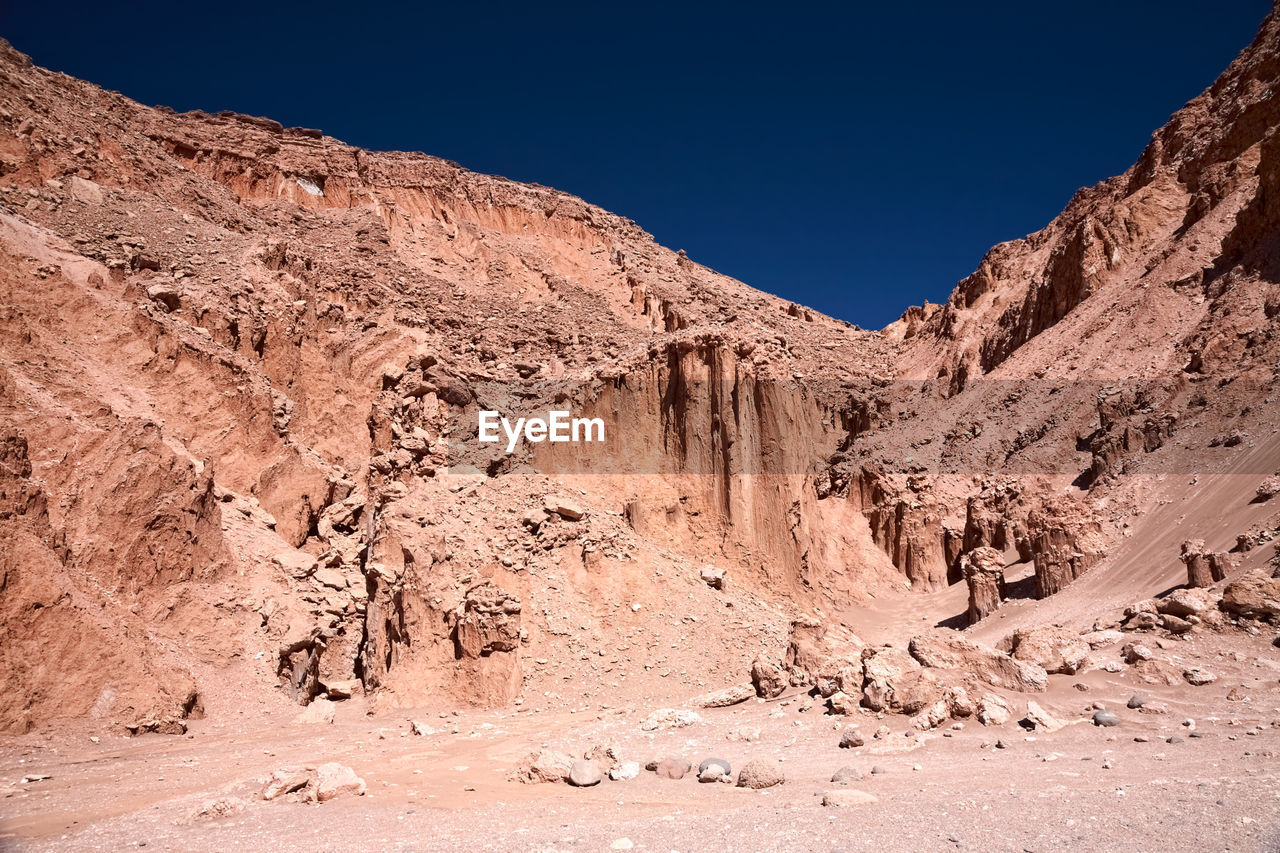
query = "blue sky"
{"x": 858, "y": 158}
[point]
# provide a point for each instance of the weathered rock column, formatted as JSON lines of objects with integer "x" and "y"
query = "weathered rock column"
{"x": 983, "y": 570}
{"x": 1199, "y": 571}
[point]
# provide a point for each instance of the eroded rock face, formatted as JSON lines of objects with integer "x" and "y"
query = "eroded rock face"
{"x": 1065, "y": 540}
{"x": 487, "y": 622}
{"x": 983, "y": 570}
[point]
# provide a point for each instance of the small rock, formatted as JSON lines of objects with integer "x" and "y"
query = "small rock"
{"x": 1198, "y": 677}
{"x": 851, "y": 738}
{"x": 621, "y": 844}
{"x": 1105, "y": 719}
{"x": 846, "y": 774}
{"x": 711, "y": 769}
{"x": 1137, "y": 700}
{"x": 878, "y": 770}
{"x": 712, "y": 576}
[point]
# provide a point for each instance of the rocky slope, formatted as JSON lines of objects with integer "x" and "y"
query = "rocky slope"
{"x": 241, "y": 367}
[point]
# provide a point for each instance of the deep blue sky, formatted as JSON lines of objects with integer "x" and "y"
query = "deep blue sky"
{"x": 854, "y": 157}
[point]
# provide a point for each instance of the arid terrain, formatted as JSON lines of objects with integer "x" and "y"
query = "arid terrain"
{"x": 1004, "y": 575}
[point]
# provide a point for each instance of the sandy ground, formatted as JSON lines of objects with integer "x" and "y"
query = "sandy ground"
{"x": 1121, "y": 788}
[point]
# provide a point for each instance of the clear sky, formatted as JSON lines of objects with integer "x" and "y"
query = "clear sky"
{"x": 855, "y": 157}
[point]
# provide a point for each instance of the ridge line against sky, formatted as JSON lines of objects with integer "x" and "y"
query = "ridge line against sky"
{"x": 853, "y": 158}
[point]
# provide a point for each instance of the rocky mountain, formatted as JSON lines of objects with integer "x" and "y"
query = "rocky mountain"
{"x": 242, "y": 364}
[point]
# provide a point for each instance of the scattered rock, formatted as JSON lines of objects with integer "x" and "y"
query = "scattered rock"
{"x": 1198, "y": 677}
{"x": 1106, "y": 719}
{"x": 1137, "y": 700}
{"x": 1135, "y": 652}
{"x": 846, "y": 774}
{"x": 712, "y": 576}
{"x": 851, "y": 738}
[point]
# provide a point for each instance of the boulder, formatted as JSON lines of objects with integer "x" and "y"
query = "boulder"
{"x": 946, "y": 649}
{"x": 584, "y": 774}
{"x": 758, "y": 774}
{"x": 993, "y": 710}
{"x": 669, "y": 718}
{"x": 1267, "y": 489}
{"x": 769, "y": 679}
{"x": 1256, "y": 595}
{"x": 334, "y": 780}
{"x": 884, "y": 669}
{"x": 544, "y": 766}
{"x": 286, "y": 780}
{"x": 1188, "y": 602}
{"x": 1050, "y": 647}
{"x": 1198, "y": 677}
{"x": 815, "y": 649}
{"x": 1104, "y": 637}
{"x": 1135, "y": 652}
{"x": 983, "y": 571}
